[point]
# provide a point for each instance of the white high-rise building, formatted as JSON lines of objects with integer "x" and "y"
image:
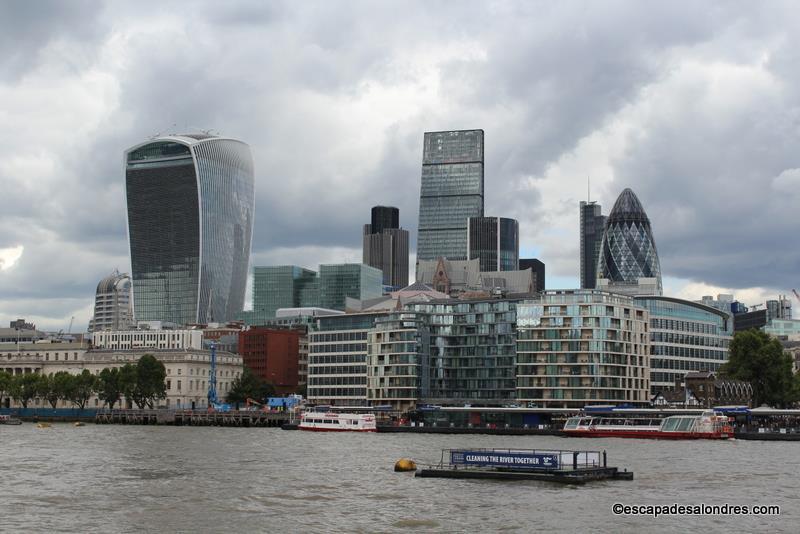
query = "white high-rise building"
{"x": 113, "y": 308}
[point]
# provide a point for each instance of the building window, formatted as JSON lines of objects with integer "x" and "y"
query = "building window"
{"x": 179, "y": 385}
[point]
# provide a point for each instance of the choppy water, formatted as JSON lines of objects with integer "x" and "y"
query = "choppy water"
{"x": 165, "y": 479}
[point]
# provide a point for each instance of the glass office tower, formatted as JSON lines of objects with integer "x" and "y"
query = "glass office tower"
{"x": 190, "y": 221}
{"x": 280, "y": 286}
{"x": 629, "y": 252}
{"x": 684, "y": 336}
{"x": 342, "y": 280}
{"x": 384, "y": 218}
{"x": 495, "y": 242}
{"x": 592, "y": 227}
{"x": 538, "y": 268}
{"x": 451, "y": 191}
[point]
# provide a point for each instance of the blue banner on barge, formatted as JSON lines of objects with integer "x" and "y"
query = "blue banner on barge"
{"x": 504, "y": 459}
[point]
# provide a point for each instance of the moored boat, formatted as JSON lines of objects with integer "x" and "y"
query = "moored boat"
{"x": 8, "y": 420}
{"x": 337, "y": 422}
{"x": 708, "y": 425}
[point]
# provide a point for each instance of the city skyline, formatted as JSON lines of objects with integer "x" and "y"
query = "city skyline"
{"x": 724, "y": 215}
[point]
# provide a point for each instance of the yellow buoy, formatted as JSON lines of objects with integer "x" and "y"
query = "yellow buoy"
{"x": 78, "y": 423}
{"x": 43, "y": 425}
{"x": 405, "y": 464}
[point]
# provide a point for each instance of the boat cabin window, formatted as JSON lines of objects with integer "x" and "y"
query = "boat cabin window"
{"x": 670, "y": 423}
{"x": 572, "y": 422}
{"x": 686, "y": 424}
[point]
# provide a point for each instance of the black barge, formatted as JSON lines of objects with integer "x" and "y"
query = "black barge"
{"x": 566, "y": 467}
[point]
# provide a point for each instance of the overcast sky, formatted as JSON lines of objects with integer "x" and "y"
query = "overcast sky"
{"x": 695, "y": 106}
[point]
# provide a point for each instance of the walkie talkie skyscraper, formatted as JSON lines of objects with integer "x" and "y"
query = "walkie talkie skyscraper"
{"x": 190, "y": 223}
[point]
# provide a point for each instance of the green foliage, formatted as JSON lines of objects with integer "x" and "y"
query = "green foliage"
{"x": 5, "y": 384}
{"x": 127, "y": 381}
{"x": 760, "y": 359}
{"x": 24, "y": 387}
{"x": 109, "y": 386}
{"x": 54, "y": 387}
{"x": 81, "y": 388}
{"x": 150, "y": 385}
{"x": 249, "y": 386}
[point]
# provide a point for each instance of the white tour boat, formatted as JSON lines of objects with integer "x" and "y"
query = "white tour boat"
{"x": 337, "y": 422}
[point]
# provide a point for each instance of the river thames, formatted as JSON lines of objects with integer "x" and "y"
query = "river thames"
{"x": 207, "y": 479}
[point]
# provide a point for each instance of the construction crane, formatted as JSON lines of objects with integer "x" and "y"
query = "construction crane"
{"x": 213, "y": 401}
{"x": 796, "y": 295}
{"x": 212, "y": 379}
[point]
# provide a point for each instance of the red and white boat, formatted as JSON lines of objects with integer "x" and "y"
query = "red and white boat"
{"x": 337, "y": 422}
{"x": 708, "y": 425}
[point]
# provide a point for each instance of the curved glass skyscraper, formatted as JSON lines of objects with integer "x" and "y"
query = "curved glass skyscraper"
{"x": 190, "y": 221}
{"x": 628, "y": 260}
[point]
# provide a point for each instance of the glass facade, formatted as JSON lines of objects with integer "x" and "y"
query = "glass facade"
{"x": 397, "y": 360}
{"x": 384, "y": 218}
{"x": 354, "y": 280}
{"x": 789, "y": 328}
{"x": 495, "y": 242}
{"x": 684, "y": 336}
{"x": 281, "y": 286}
{"x": 628, "y": 251}
{"x": 582, "y": 347}
{"x": 538, "y": 268}
{"x": 190, "y": 221}
{"x": 451, "y": 191}
{"x": 471, "y": 350}
{"x": 592, "y": 226}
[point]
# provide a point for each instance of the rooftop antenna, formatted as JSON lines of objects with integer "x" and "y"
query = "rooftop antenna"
{"x": 588, "y": 193}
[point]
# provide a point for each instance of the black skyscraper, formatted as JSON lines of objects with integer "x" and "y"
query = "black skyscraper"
{"x": 494, "y": 241}
{"x": 538, "y": 271}
{"x": 386, "y": 246}
{"x": 384, "y": 217}
{"x": 592, "y": 226}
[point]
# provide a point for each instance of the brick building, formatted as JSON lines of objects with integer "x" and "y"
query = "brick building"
{"x": 272, "y": 354}
{"x": 711, "y": 391}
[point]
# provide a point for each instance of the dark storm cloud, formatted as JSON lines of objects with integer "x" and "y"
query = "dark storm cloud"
{"x": 333, "y": 98}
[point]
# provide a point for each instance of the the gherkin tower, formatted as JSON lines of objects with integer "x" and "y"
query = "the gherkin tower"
{"x": 628, "y": 251}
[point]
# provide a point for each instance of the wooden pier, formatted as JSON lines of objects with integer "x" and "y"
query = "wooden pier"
{"x": 237, "y": 418}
